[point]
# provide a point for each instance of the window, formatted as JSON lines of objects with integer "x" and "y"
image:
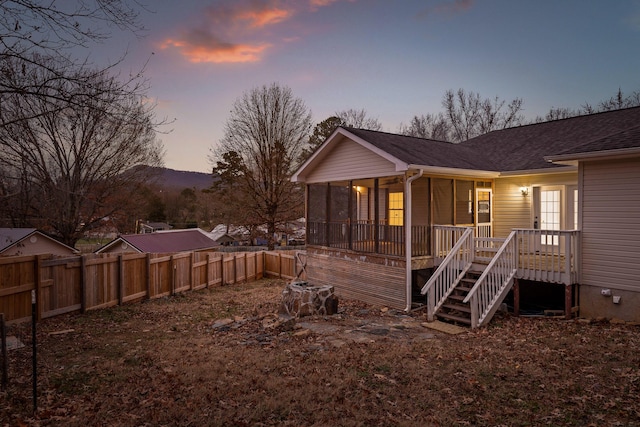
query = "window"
{"x": 396, "y": 206}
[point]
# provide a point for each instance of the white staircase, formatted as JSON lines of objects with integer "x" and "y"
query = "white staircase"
{"x": 472, "y": 280}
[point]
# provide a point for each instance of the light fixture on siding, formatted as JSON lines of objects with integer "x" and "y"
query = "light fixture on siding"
{"x": 524, "y": 191}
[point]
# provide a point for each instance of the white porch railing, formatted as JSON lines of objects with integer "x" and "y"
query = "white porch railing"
{"x": 549, "y": 255}
{"x": 457, "y": 260}
{"x": 444, "y": 239}
{"x": 494, "y": 283}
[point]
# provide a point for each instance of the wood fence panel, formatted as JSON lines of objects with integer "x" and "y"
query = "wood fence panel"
{"x": 17, "y": 279}
{"x": 251, "y": 265}
{"x": 240, "y": 266}
{"x": 272, "y": 263}
{"x": 101, "y": 278}
{"x": 135, "y": 277}
{"x": 182, "y": 272}
{"x": 60, "y": 286}
{"x": 161, "y": 276}
{"x": 215, "y": 270}
{"x": 229, "y": 269}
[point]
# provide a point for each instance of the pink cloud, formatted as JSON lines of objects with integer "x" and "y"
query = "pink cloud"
{"x": 238, "y": 31}
{"x": 219, "y": 52}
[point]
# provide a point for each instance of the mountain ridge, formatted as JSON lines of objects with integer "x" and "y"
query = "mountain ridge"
{"x": 179, "y": 180}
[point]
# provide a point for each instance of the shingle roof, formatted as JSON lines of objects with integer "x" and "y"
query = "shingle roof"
{"x": 629, "y": 138}
{"x": 519, "y": 148}
{"x": 170, "y": 241}
{"x": 424, "y": 152}
{"x": 525, "y": 147}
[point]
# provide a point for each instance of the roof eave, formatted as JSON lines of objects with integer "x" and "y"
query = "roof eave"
{"x": 440, "y": 170}
{"x": 574, "y": 158}
{"x": 541, "y": 171}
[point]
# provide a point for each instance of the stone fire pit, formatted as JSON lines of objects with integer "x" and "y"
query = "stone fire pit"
{"x": 302, "y": 299}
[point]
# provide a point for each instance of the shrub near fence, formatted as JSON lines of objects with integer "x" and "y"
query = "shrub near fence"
{"x": 93, "y": 281}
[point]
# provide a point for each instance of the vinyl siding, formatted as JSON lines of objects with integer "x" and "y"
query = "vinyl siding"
{"x": 611, "y": 224}
{"x": 349, "y": 160}
{"x": 513, "y": 210}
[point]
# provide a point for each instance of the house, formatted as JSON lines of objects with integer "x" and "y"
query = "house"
{"x": 229, "y": 235}
{"x": 152, "y": 227}
{"x": 403, "y": 221}
{"x": 29, "y": 241}
{"x": 171, "y": 241}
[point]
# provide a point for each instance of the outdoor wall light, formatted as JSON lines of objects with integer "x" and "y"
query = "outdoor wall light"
{"x": 524, "y": 191}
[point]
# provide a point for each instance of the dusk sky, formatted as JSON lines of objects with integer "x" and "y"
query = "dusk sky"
{"x": 395, "y": 59}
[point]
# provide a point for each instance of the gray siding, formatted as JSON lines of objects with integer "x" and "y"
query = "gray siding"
{"x": 611, "y": 224}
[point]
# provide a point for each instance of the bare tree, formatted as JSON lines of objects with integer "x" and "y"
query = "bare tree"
{"x": 32, "y": 32}
{"x": 74, "y": 149}
{"x": 320, "y": 133}
{"x": 470, "y": 115}
{"x": 358, "y": 119}
{"x": 429, "y": 126}
{"x": 267, "y": 130}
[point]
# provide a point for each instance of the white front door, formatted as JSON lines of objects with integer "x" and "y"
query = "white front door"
{"x": 483, "y": 214}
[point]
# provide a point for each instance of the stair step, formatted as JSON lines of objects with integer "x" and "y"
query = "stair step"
{"x": 457, "y": 297}
{"x": 454, "y": 318}
{"x": 457, "y": 307}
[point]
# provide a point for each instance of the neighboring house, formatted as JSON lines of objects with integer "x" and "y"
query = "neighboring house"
{"x": 152, "y": 227}
{"x": 172, "y": 241}
{"x": 405, "y": 221}
{"x": 229, "y": 235}
{"x": 29, "y": 241}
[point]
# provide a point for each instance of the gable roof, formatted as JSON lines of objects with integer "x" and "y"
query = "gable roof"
{"x": 10, "y": 237}
{"x": 192, "y": 239}
{"x": 519, "y": 149}
{"x": 425, "y": 152}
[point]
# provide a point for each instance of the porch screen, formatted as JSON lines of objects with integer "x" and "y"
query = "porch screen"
{"x": 464, "y": 202}
{"x": 442, "y": 201}
{"x": 317, "y": 202}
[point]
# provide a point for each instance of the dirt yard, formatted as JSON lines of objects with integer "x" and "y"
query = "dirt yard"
{"x": 221, "y": 357}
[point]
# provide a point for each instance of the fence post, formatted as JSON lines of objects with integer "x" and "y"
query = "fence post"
{"x": 83, "y": 284}
{"x": 191, "y": 268}
{"x": 235, "y": 268}
{"x": 280, "y": 263}
{"x": 222, "y": 269}
{"x": 38, "y": 287}
{"x": 5, "y": 356}
{"x": 246, "y": 270}
{"x": 172, "y": 267}
{"x": 120, "y": 279}
{"x": 148, "y": 271}
{"x": 206, "y": 271}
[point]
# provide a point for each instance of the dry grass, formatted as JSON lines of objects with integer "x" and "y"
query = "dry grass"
{"x": 163, "y": 363}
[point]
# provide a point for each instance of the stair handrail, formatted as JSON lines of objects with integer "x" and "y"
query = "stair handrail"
{"x": 493, "y": 281}
{"x": 449, "y": 273}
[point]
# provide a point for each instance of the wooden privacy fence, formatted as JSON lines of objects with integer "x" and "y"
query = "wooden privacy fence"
{"x": 93, "y": 281}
